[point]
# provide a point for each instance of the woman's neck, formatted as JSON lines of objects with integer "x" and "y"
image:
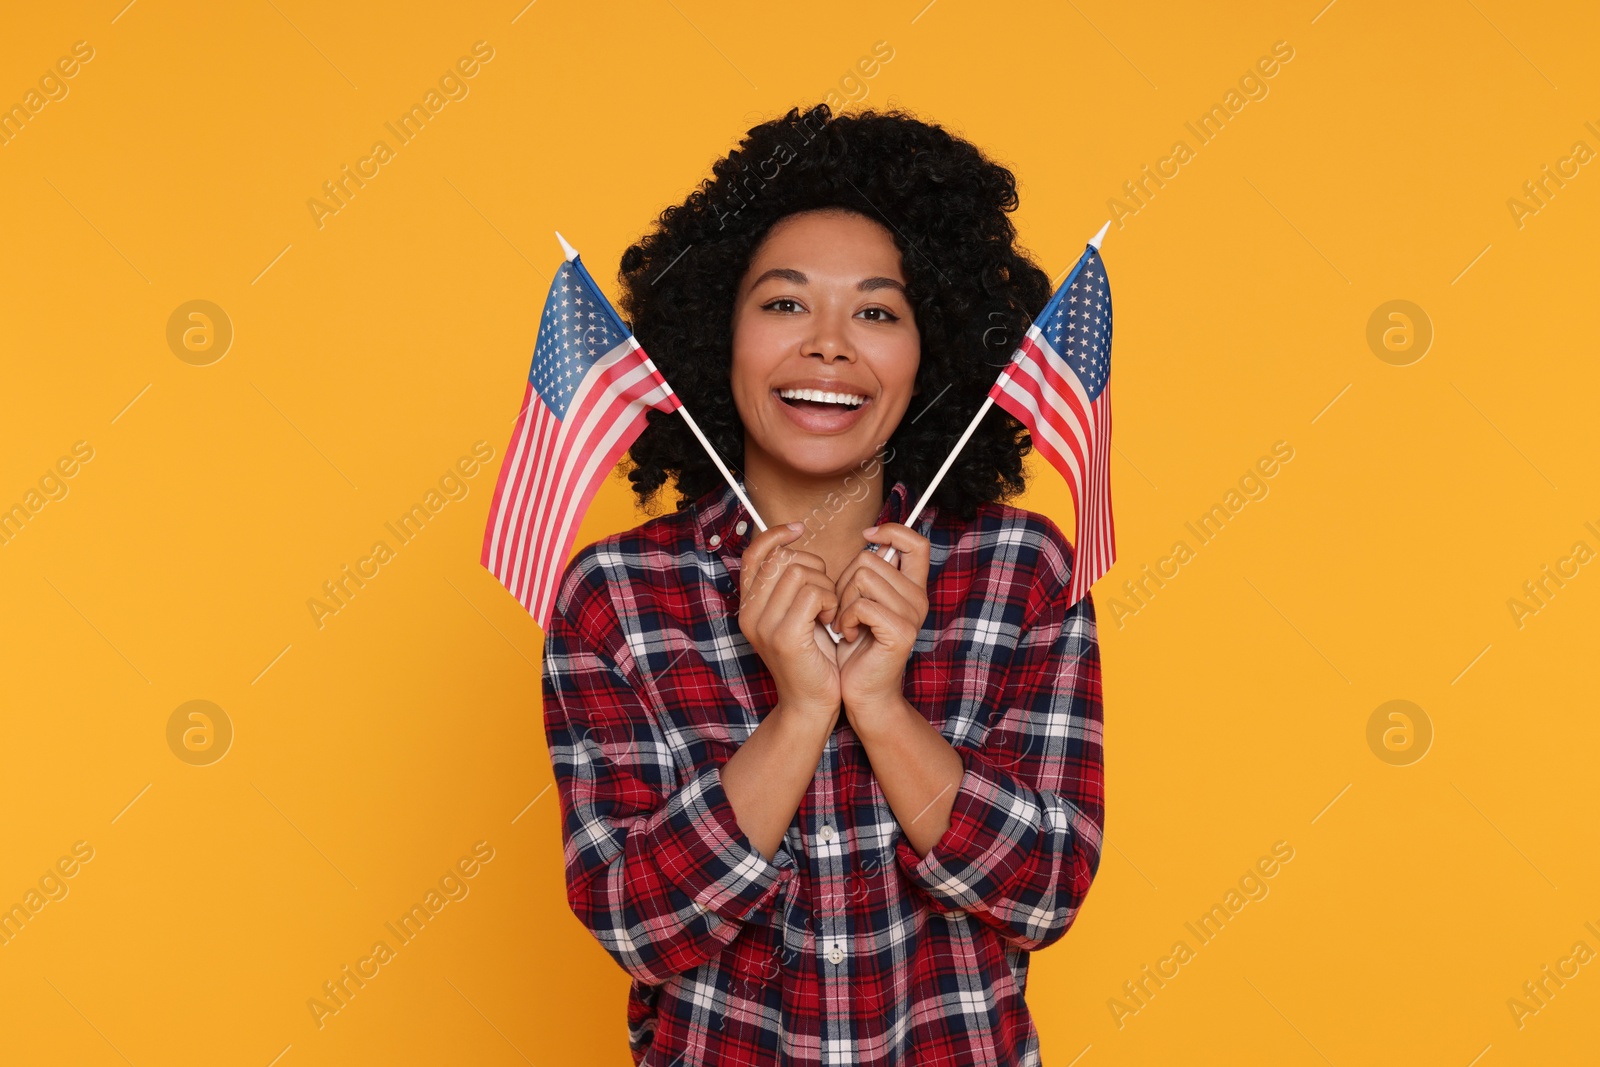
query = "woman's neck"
{"x": 835, "y": 508}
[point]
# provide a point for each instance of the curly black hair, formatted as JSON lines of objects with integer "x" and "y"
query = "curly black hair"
{"x": 974, "y": 292}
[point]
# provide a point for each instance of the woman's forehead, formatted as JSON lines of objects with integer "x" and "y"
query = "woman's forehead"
{"x": 827, "y": 241}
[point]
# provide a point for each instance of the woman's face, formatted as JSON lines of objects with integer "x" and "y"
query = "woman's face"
{"x": 823, "y": 306}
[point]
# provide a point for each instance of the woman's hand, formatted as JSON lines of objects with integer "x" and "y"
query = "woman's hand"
{"x": 784, "y": 598}
{"x": 882, "y": 607}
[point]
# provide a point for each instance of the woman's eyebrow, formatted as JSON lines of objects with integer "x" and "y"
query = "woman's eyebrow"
{"x": 880, "y": 282}
{"x": 787, "y": 274}
{"x": 867, "y": 285}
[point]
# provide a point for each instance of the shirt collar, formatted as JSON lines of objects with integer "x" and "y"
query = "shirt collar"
{"x": 723, "y": 524}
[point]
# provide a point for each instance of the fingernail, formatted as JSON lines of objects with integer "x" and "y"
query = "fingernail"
{"x": 870, "y": 530}
{"x": 796, "y": 527}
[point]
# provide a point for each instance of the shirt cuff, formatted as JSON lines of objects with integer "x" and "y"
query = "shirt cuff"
{"x": 994, "y": 827}
{"x": 699, "y": 847}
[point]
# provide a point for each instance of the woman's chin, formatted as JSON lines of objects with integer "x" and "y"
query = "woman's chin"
{"x": 821, "y": 460}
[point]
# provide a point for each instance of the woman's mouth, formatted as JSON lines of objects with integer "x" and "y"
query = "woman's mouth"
{"x": 820, "y": 416}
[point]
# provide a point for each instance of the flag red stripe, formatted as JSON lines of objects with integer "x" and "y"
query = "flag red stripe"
{"x": 555, "y": 467}
{"x": 1059, "y": 412}
{"x": 541, "y": 433}
{"x": 1103, "y": 551}
{"x": 591, "y": 452}
{"x": 546, "y": 479}
{"x": 570, "y": 482}
{"x": 1074, "y": 436}
{"x": 533, "y": 442}
{"x": 602, "y": 456}
{"x": 591, "y": 390}
{"x": 509, "y": 462}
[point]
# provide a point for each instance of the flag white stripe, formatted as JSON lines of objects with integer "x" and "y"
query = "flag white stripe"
{"x": 1100, "y": 541}
{"x": 504, "y": 519}
{"x": 1049, "y": 422}
{"x": 579, "y": 443}
{"x": 1100, "y": 551}
{"x": 539, "y": 480}
{"x": 540, "y": 474}
{"x": 535, "y": 439}
{"x": 623, "y": 424}
{"x": 539, "y": 445}
{"x": 1073, "y": 434}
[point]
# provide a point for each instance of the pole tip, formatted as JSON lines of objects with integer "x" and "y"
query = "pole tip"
{"x": 1094, "y": 242}
{"x": 572, "y": 253}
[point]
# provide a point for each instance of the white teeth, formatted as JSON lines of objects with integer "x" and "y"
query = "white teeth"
{"x": 822, "y": 397}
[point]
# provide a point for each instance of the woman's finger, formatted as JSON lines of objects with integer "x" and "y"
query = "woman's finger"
{"x": 865, "y": 562}
{"x": 779, "y": 599}
{"x": 874, "y": 587}
{"x": 804, "y": 613}
{"x": 911, "y": 549}
{"x": 848, "y": 592}
{"x": 754, "y": 561}
{"x": 874, "y": 563}
{"x": 762, "y": 564}
{"x": 888, "y": 628}
{"x": 787, "y": 601}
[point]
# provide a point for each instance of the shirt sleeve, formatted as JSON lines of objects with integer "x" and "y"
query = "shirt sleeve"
{"x": 1027, "y": 822}
{"x": 657, "y": 870}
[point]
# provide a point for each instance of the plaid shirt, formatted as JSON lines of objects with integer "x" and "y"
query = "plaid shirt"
{"x": 847, "y": 947}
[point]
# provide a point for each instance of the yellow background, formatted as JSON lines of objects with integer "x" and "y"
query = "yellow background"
{"x": 370, "y": 353}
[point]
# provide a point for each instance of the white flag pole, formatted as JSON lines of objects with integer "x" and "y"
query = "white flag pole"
{"x": 572, "y": 254}
{"x": 888, "y": 557}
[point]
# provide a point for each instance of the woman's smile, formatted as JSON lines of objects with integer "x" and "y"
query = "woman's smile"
{"x": 822, "y": 416}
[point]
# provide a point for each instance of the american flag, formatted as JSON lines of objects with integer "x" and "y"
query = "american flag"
{"x": 589, "y": 391}
{"x": 1058, "y": 385}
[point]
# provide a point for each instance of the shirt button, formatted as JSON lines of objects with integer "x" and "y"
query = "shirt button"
{"x": 716, "y": 539}
{"x": 836, "y": 955}
{"x": 826, "y": 833}
{"x": 742, "y": 527}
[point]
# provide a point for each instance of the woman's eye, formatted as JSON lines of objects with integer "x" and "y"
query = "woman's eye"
{"x": 773, "y": 305}
{"x": 884, "y": 314}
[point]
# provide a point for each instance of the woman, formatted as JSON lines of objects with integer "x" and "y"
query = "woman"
{"x": 803, "y": 852}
